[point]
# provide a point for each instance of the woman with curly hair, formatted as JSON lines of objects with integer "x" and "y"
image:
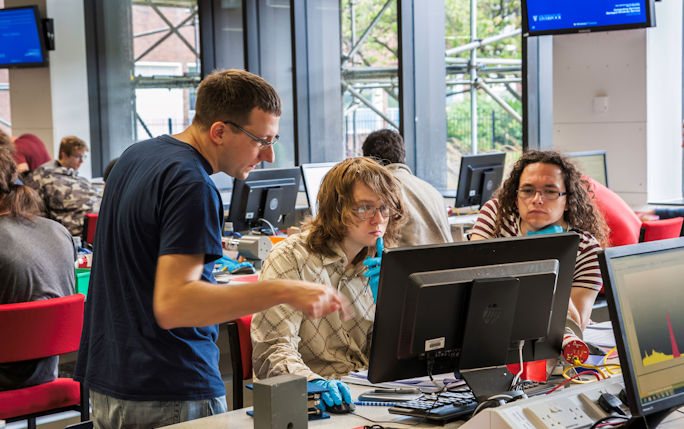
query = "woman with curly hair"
{"x": 359, "y": 202}
{"x": 546, "y": 193}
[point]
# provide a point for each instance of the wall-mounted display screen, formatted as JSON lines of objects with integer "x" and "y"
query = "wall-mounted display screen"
{"x": 577, "y": 16}
{"x": 21, "y": 38}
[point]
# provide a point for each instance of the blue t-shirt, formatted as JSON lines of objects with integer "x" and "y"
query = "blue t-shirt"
{"x": 159, "y": 200}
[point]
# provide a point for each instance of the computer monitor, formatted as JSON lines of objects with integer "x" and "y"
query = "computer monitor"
{"x": 440, "y": 306}
{"x": 592, "y": 164}
{"x": 312, "y": 175}
{"x": 643, "y": 284}
{"x": 479, "y": 176}
{"x": 265, "y": 200}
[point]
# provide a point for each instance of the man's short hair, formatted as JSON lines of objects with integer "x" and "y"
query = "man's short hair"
{"x": 231, "y": 95}
{"x": 70, "y": 144}
{"x": 386, "y": 146}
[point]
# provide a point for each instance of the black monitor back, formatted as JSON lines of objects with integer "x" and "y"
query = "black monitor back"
{"x": 479, "y": 176}
{"x": 400, "y": 263}
{"x": 269, "y": 194}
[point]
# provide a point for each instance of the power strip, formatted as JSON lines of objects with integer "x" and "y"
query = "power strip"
{"x": 574, "y": 407}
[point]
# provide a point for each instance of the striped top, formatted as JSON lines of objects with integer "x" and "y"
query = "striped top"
{"x": 587, "y": 271}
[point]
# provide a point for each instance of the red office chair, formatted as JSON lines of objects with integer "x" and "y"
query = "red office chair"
{"x": 661, "y": 229}
{"x": 240, "y": 343}
{"x": 624, "y": 224}
{"x": 37, "y": 329}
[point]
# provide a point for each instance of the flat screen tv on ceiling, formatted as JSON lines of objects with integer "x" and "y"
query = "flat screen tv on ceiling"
{"x": 21, "y": 38}
{"x": 582, "y": 16}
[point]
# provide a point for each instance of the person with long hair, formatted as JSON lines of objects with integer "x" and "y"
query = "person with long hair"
{"x": 359, "y": 202}
{"x": 546, "y": 193}
{"x": 36, "y": 262}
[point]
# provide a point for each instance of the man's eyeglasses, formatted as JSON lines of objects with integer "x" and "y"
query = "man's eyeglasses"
{"x": 263, "y": 144}
{"x": 546, "y": 194}
{"x": 368, "y": 212}
{"x": 80, "y": 157}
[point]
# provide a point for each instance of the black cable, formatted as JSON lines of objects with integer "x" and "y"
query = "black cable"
{"x": 607, "y": 418}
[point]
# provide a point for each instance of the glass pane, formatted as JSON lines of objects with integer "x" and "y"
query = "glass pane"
{"x": 498, "y": 67}
{"x": 275, "y": 55}
{"x": 369, "y": 69}
{"x": 167, "y": 68}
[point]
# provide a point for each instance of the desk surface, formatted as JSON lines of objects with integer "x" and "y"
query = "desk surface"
{"x": 363, "y": 415}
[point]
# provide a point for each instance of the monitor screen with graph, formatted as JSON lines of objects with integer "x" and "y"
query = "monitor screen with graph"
{"x": 643, "y": 284}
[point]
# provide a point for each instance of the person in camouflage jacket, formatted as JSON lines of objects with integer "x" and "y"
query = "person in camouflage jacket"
{"x": 67, "y": 197}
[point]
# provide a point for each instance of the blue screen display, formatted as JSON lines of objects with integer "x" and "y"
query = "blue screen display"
{"x": 552, "y": 15}
{"x": 19, "y": 37}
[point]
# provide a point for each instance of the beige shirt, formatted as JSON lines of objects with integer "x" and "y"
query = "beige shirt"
{"x": 286, "y": 341}
{"x": 426, "y": 214}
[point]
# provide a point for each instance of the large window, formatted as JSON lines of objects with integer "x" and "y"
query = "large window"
{"x": 483, "y": 83}
{"x": 166, "y": 66}
{"x": 370, "y": 61}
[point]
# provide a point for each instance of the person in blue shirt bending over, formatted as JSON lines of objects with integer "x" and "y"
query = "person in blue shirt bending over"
{"x": 148, "y": 354}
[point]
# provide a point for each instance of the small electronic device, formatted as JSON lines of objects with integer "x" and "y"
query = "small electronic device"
{"x": 643, "y": 284}
{"x": 343, "y": 408}
{"x": 312, "y": 176}
{"x": 478, "y": 178}
{"x": 265, "y": 200}
{"x": 582, "y": 16}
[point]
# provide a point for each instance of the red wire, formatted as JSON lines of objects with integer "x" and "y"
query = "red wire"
{"x": 572, "y": 378}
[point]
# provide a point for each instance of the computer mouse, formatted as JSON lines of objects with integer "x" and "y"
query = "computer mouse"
{"x": 343, "y": 408}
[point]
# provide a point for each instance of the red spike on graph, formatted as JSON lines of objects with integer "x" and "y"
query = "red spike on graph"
{"x": 675, "y": 350}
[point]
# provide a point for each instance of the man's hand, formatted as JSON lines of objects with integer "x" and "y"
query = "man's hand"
{"x": 373, "y": 272}
{"x": 316, "y": 300}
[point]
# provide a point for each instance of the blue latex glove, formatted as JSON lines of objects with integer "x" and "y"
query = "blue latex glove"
{"x": 551, "y": 229}
{"x": 337, "y": 392}
{"x": 233, "y": 266}
{"x": 373, "y": 271}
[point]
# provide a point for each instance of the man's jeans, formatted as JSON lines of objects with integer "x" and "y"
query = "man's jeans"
{"x": 110, "y": 412}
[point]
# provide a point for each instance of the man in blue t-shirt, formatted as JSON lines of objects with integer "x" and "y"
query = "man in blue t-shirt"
{"x": 148, "y": 354}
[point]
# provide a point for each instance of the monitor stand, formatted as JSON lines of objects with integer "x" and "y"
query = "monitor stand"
{"x": 487, "y": 336}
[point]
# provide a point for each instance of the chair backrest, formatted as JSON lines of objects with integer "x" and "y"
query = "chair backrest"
{"x": 240, "y": 343}
{"x": 243, "y": 325}
{"x": 89, "y": 224}
{"x": 624, "y": 224}
{"x": 661, "y": 229}
{"x": 36, "y": 329}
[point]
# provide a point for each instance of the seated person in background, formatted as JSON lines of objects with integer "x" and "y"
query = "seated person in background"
{"x": 427, "y": 221}
{"x": 36, "y": 262}
{"x": 67, "y": 197}
{"x": 108, "y": 169}
{"x": 359, "y": 202}
{"x": 545, "y": 190}
{"x": 30, "y": 153}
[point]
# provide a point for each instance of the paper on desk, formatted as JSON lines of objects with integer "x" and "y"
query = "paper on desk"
{"x": 600, "y": 334}
{"x": 361, "y": 378}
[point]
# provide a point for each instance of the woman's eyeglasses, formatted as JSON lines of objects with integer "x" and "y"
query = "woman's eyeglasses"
{"x": 546, "y": 194}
